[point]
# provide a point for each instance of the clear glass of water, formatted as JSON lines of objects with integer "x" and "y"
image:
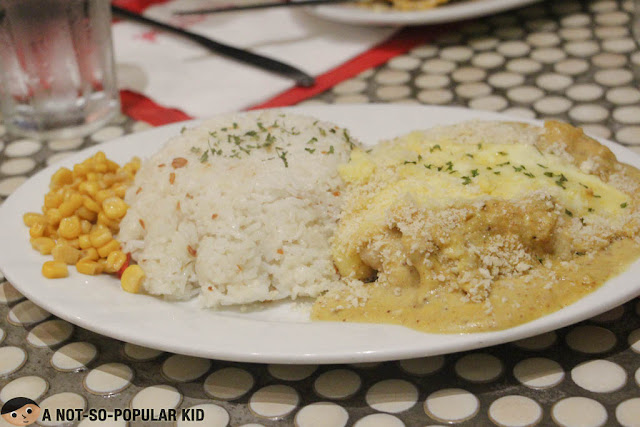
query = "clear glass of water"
{"x": 57, "y": 77}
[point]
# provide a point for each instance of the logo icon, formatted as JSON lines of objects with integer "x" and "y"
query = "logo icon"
{"x": 20, "y": 411}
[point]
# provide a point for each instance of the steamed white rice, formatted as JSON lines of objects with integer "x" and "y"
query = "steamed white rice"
{"x": 247, "y": 218}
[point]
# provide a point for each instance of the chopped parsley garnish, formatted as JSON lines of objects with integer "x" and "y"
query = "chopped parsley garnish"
{"x": 590, "y": 210}
{"x": 502, "y": 153}
{"x": 624, "y": 205}
{"x": 261, "y": 127}
{"x": 504, "y": 164}
{"x": 474, "y": 172}
{"x": 581, "y": 253}
{"x": 466, "y": 180}
{"x": 406, "y": 162}
{"x": 542, "y": 166}
{"x": 204, "y": 157}
{"x": 269, "y": 140}
{"x": 568, "y": 212}
{"x": 310, "y": 150}
{"x": 332, "y": 130}
{"x": 549, "y": 174}
{"x": 434, "y": 148}
{"x": 469, "y": 155}
{"x": 428, "y": 166}
{"x": 195, "y": 150}
{"x": 312, "y": 140}
{"x": 283, "y": 156}
{"x": 529, "y": 174}
{"x": 347, "y": 138}
{"x": 331, "y": 151}
{"x": 449, "y": 165}
{"x": 322, "y": 131}
{"x": 235, "y": 125}
{"x": 252, "y": 133}
{"x": 496, "y": 173}
{"x": 183, "y": 129}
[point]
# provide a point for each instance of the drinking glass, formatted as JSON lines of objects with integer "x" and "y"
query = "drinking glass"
{"x": 57, "y": 76}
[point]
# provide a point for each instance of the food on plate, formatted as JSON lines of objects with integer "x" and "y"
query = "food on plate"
{"x": 472, "y": 227}
{"x": 405, "y": 5}
{"x": 480, "y": 226}
{"x": 80, "y": 215}
{"x": 239, "y": 210}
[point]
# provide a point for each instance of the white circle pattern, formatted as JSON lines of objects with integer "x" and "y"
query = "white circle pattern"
{"x": 550, "y": 63}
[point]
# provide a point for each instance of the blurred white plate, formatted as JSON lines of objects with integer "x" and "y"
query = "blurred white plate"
{"x": 281, "y": 333}
{"x": 450, "y": 12}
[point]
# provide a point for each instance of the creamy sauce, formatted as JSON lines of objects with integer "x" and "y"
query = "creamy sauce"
{"x": 513, "y": 301}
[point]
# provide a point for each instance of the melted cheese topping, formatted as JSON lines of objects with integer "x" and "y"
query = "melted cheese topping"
{"x": 445, "y": 174}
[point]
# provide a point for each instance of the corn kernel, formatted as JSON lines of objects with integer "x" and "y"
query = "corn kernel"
{"x": 31, "y": 218}
{"x": 102, "y": 262}
{"x": 86, "y": 214}
{"x": 52, "y": 200}
{"x": 92, "y": 177}
{"x": 44, "y": 245}
{"x": 69, "y": 227}
{"x": 109, "y": 179}
{"x": 101, "y": 167}
{"x": 132, "y": 279}
{"x": 51, "y": 231}
{"x": 80, "y": 170}
{"x": 120, "y": 190}
{"x": 88, "y": 267}
{"x": 100, "y": 157}
{"x": 37, "y": 230}
{"x": 91, "y": 188}
{"x": 84, "y": 241}
{"x": 113, "y": 166}
{"x": 99, "y": 237}
{"x": 65, "y": 253}
{"x": 91, "y": 204}
{"x": 53, "y": 216}
{"x": 90, "y": 254}
{"x": 68, "y": 207}
{"x": 61, "y": 177}
{"x": 85, "y": 226}
{"x": 102, "y": 195}
{"x": 115, "y": 261}
{"x": 54, "y": 269}
{"x": 105, "y": 221}
{"x": 114, "y": 207}
{"x": 109, "y": 247}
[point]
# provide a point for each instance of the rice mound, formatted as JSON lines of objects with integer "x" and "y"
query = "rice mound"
{"x": 239, "y": 210}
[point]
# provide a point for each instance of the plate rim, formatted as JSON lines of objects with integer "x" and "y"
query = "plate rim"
{"x": 366, "y": 355}
{"x": 439, "y": 15}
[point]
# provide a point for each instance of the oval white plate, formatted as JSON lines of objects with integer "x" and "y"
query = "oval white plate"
{"x": 450, "y": 12}
{"x": 280, "y": 334}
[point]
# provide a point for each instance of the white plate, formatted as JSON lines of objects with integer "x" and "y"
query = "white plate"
{"x": 451, "y": 12}
{"x": 280, "y": 334}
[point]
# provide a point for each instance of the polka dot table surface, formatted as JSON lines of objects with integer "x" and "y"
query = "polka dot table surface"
{"x": 570, "y": 60}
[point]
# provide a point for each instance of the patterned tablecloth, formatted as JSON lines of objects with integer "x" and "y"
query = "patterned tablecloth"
{"x": 565, "y": 59}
